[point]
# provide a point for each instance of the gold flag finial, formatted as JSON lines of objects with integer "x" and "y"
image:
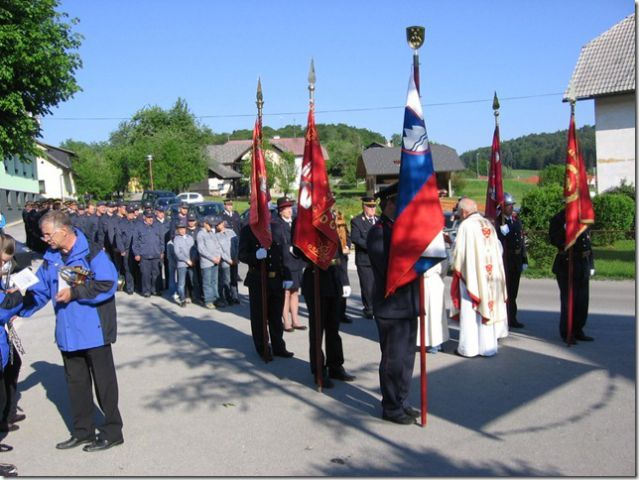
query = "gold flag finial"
{"x": 495, "y": 102}
{"x": 260, "y": 99}
{"x": 415, "y": 36}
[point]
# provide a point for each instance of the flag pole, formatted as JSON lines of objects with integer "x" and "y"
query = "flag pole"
{"x": 415, "y": 39}
{"x": 570, "y": 312}
{"x": 266, "y": 354}
{"x": 319, "y": 369}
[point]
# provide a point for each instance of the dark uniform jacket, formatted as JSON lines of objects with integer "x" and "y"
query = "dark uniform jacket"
{"x": 332, "y": 280}
{"x": 282, "y": 233}
{"x": 513, "y": 242}
{"x": 148, "y": 241}
{"x": 249, "y": 245}
{"x": 404, "y": 303}
{"x": 582, "y": 248}
{"x": 234, "y": 221}
{"x": 359, "y": 232}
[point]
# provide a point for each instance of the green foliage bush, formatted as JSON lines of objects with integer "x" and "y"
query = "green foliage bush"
{"x": 552, "y": 175}
{"x": 624, "y": 188}
{"x": 457, "y": 181}
{"x": 614, "y": 217}
{"x": 537, "y": 208}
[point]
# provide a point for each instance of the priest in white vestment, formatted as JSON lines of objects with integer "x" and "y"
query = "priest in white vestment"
{"x": 436, "y": 321}
{"x": 478, "y": 289}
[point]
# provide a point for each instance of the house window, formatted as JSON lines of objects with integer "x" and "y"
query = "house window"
{"x": 42, "y": 187}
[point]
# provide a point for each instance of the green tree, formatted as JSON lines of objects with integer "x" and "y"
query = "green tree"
{"x": 92, "y": 171}
{"x": 38, "y": 60}
{"x": 552, "y": 175}
{"x": 175, "y": 140}
{"x": 284, "y": 172}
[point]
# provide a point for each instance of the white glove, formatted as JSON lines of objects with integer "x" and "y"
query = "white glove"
{"x": 504, "y": 229}
{"x": 347, "y": 291}
{"x": 286, "y": 284}
{"x": 592, "y": 272}
{"x": 524, "y": 267}
{"x": 261, "y": 253}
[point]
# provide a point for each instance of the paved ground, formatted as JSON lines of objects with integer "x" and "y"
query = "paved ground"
{"x": 197, "y": 400}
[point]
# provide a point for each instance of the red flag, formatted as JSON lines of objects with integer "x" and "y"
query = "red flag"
{"x": 259, "y": 214}
{"x": 495, "y": 191}
{"x": 315, "y": 229}
{"x": 579, "y": 211}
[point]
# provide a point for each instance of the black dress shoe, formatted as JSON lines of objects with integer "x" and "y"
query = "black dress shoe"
{"x": 516, "y": 324}
{"x": 9, "y": 427}
{"x": 399, "y": 419}
{"x": 283, "y": 353}
{"x": 74, "y": 442}
{"x": 411, "y": 412}
{"x": 341, "y": 375}
{"x": 582, "y": 337}
{"x": 18, "y": 418}
{"x": 102, "y": 444}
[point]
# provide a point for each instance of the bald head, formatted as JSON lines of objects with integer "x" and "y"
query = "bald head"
{"x": 466, "y": 206}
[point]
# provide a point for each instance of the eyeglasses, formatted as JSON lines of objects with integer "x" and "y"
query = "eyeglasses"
{"x": 46, "y": 236}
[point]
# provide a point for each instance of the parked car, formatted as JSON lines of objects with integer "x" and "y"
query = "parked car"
{"x": 200, "y": 209}
{"x": 166, "y": 201}
{"x": 153, "y": 195}
{"x": 190, "y": 197}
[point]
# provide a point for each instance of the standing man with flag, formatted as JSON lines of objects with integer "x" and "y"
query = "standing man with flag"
{"x": 569, "y": 232}
{"x": 406, "y": 242}
{"x": 315, "y": 235}
{"x": 265, "y": 278}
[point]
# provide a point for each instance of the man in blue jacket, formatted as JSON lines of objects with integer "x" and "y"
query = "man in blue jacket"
{"x": 86, "y": 326}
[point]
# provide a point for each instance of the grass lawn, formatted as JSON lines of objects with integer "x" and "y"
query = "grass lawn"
{"x": 476, "y": 189}
{"x": 616, "y": 261}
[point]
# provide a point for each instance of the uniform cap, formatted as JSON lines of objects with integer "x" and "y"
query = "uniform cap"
{"x": 121, "y": 203}
{"x": 130, "y": 209}
{"x": 228, "y": 201}
{"x": 161, "y": 208}
{"x": 191, "y": 216}
{"x": 149, "y": 214}
{"x": 100, "y": 203}
{"x": 181, "y": 224}
{"x": 284, "y": 202}
{"x": 184, "y": 205}
{"x": 369, "y": 201}
{"x": 110, "y": 204}
{"x": 147, "y": 204}
{"x": 81, "y": 206}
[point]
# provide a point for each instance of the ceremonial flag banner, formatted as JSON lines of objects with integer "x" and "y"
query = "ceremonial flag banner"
{"x": 579, "y": 211}
{"x": 259, "y": 214}
{"x": 495, "y": 191}
{"x": 315, "y": 229}
{"x": 417, "y": 242}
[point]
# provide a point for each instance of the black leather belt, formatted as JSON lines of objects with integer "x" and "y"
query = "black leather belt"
{"x": 269, "y": 274}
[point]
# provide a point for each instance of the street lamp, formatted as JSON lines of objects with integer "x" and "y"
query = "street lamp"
{"x": 150, "y": 160}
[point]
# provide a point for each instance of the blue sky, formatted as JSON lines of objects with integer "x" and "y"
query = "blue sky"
{"x": 209, "y": 52}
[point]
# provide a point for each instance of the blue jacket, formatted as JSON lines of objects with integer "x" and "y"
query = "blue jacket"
{"x": 10, "y": 305}
{"x": 148, "y": 240}
{"x": 89, "y": 319}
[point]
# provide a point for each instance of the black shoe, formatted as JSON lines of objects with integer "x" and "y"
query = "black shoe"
{"x": 341, "y": 375}
{"x": 102, "y": 444}
{"x": 146, "y": 295}
{"x": 516, "y": 324}
{"x": 283, "y": 353}
{"x": 74, "y": 442}
{"x": 582, "y": 337}
{"x": 8, "y": 470}
{"x": 347, "y": 319}
{"x": 18, "y": 417}
{"x": 400, "y": 419}
{"x": 9, "y": 427}
{"x": 411, "y": 412}
{"x": 220, "y": 304}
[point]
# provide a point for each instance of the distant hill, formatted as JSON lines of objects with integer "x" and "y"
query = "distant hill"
{"x": 535, "y": 151}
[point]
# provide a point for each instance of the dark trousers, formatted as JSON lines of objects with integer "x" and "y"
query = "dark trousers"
{"x": 330, "y": 314}
{"x": 149, "y": 270}
{"x": 366, "y": 283}
{"x": 397, "y": 339}
{"x": 129, "y": 272}
{"x": 512, "y": 268}
{"x": 84, "y": 369}
{"x": 581, "y": 296}
{"x": 275, "y": 305}
{"x": 8, "y": 390}
{"x": 11, "y": 372}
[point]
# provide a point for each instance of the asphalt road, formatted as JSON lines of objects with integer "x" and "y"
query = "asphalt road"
{"x": 197, "y": 400}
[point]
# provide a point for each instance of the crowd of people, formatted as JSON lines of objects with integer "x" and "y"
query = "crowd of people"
{"x": 92, "y": 250}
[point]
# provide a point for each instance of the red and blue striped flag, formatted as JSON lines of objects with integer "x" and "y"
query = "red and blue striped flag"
{"x": 417, "y": 242}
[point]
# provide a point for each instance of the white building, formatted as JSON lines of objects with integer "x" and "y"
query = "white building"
{"x": 605, "y": 72}
{"x": 54, "y": 172}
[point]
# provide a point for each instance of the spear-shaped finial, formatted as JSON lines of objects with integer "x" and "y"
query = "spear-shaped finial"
{"x": 311, "y": 83}
{"x": 571, "y": 98}
{"x": 260, "y": 99}
{"x": 496, "y": 108}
